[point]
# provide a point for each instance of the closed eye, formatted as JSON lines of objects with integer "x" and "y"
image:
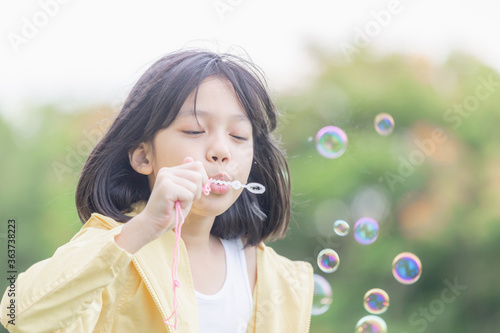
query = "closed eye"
{"x": 193, "y": 132}
{"x": 240, "y": 138}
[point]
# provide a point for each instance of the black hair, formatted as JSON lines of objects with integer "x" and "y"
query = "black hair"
{"x": 109, "y": 185}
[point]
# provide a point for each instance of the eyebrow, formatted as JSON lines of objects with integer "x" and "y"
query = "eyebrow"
{"x": 201, "y": 113}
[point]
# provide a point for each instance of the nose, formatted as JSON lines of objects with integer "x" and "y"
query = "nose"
{"x": 218, "y": 150}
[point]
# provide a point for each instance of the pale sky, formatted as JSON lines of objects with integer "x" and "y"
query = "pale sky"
{"x": 73, "y": 51}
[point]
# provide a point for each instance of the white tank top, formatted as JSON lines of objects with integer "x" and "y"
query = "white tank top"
{"x": 230, "y": 308}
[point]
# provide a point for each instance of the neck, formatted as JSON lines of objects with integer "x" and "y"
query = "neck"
{"x": 196, "y": 233}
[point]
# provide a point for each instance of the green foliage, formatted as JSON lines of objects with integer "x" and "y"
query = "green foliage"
{"x": 444, "y": 208}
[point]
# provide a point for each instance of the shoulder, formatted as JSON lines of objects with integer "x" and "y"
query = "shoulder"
{"x": 286, "y": 284}
{"x": 99, "y": 221}
{"x": 99, "y": 226}
{"x": 268, "y": 254}
{"x": 296, "y": 272}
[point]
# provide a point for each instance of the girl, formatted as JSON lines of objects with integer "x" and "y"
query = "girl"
{"x": 194, "y": 117}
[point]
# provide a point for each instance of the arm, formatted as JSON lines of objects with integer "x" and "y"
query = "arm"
{"x": 55, "y": 292}
{"x": 52, "y": 294}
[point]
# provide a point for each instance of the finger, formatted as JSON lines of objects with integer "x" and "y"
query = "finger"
{"x": 180, "y": 171}
{"x": 176, "y": 189}
{"x": 200, "y": 170}
{"x": 188, "y": 184}
{"x": 203, "y": 172}
{"x": 189, "y": 179}
{"x": 194, "y": 176}
{"x": 188, "y": 159}
{"x": 181, "y": 194}
{"x": 195, "y": 166}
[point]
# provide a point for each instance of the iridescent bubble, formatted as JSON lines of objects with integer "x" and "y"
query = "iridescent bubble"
{"x": 322, "y": 297}
{"x": 341, "y": 227}
{"x": 331, "y": 142}
{"x": 366, "y": 230}
{"x": 371, "y": 324}
{"x": 384, "y": 124}
{"x": 328, "y": 260}
{"x": 406, "y": 268}
{"x": 376, "y": 301}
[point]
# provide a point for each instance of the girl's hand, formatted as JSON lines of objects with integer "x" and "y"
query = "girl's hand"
{"x": 181, "y": 183}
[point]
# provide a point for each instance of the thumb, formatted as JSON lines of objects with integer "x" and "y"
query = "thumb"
{"x": 188, "y": 159}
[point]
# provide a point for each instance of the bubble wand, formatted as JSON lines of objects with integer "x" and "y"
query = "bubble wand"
{"x": 255, "y": 188}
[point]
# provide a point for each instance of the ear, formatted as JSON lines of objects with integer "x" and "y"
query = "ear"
{"x": 141, "y": 158}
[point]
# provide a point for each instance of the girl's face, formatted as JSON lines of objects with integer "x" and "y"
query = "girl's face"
{"x": 219, "y": 135}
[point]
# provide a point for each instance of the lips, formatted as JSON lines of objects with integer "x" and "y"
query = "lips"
{"x": 221, "y": 176}
{"x": 220, "y": 188}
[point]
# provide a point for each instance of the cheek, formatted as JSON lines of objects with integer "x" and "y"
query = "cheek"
{"x": 169, "y": 155}
{"x": 241, "y": 164}
{"x": 247, "y": 161}
{"x": 250, "y": 160}
{"x": 246, "y": 152}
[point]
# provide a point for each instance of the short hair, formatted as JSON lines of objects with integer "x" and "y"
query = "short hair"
{"x": 109, "y": 185}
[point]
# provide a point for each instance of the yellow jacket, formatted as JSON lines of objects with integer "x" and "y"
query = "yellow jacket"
{"x": 92, "y": 285}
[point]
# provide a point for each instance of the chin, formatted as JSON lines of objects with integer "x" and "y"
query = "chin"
{"x": 212, "y": 208}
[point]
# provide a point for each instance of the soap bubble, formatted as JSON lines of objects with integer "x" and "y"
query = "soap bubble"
{"x": 328, "y": 260}
{"x": 331, "y": 142}
{"x": 384, "y": 124}
{"x": 376, "y": 301}
{"x": 366, "y": 230}
{"x": 371, "y": 324}
{"x": 341, "y": 227}
{"x": 406, "y": 268}
{"x": 322, "y": 297}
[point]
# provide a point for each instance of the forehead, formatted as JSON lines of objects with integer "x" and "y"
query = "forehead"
{"x": 190, "y": 113}
{"x": 215, "y": 98}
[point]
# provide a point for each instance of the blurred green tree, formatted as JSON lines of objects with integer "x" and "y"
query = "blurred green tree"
{"x": 433, "y": 185}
